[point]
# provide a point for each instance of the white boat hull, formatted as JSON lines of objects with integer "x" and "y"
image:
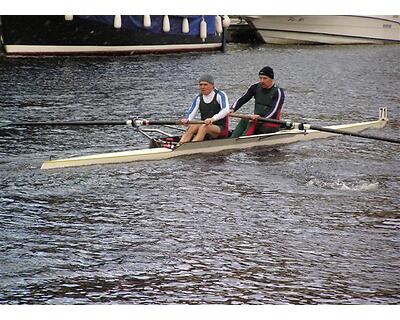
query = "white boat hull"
{"x": 70, "y": 50}
{"x": 213, "y": 146}
{"x": 327, "y": 29}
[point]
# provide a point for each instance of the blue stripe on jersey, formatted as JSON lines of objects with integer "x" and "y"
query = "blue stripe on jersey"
{"x": 223, "y": 99}
{"x": 192, "y": 107}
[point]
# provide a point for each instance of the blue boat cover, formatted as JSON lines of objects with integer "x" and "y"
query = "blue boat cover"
{"x": 136, "y": 22}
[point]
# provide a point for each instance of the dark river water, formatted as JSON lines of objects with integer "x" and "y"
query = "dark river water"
{"x": 309, "y": 223}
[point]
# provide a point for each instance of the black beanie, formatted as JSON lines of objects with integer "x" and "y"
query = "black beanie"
{"x": 267, "y": 71}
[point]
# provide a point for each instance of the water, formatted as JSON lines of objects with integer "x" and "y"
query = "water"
{"x": 308, "y": 223}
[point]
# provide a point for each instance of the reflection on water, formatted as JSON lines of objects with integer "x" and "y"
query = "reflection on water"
{"x": 313, "y": 222}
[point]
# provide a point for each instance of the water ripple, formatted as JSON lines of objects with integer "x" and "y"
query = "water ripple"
{"x": 309, "y": 223}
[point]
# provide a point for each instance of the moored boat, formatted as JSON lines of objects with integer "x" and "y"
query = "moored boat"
{"x": 327, "y": 29}
{"x": 240, "y": 31}
{"x": 165, "y": 148}
{"x": 111, "y": 35}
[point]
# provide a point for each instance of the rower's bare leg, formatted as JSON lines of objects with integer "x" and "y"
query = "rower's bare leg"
{"x": 212, "y": 130}
{"x": 190, "y": 132}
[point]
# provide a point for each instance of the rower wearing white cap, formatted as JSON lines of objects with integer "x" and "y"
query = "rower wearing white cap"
{"x": 214, "y": 109}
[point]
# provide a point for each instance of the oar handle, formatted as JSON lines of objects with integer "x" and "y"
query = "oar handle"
{"x": 287, "y": 123}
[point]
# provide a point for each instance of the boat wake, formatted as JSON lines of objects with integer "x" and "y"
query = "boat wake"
{"x": 362, "y": 186}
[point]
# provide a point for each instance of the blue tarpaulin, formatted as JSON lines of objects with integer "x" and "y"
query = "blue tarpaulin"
{"x": 136, "y": 22}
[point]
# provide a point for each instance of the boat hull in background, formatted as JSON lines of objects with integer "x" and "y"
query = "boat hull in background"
{"x": 99, "y": 35}
{"x": 326, "y": 29}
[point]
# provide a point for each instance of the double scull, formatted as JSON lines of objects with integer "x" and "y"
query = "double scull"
{"x": 167, "y": 147}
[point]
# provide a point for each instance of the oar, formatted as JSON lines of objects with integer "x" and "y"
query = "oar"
{"x": 63, "y": 123}
{"x": 133, "y": 122}
{"x": 305, "y": 126}
{"x": 144, "y": 122}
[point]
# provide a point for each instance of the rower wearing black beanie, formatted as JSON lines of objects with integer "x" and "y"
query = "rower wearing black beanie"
{"x": 269, "y": 100}
{"x": 267, "y": 71}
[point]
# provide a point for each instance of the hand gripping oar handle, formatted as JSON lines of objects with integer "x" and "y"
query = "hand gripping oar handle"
{"x": 305, "y": 126}
{"x": 287, "y": 123}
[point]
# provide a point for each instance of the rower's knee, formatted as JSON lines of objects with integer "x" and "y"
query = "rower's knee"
{"x": 204, "y": 127}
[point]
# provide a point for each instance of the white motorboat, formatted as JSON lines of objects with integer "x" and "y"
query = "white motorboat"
{"x": 326, "y": 29}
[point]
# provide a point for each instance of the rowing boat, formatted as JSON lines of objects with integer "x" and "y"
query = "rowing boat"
{"x": 165, "y": 148}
